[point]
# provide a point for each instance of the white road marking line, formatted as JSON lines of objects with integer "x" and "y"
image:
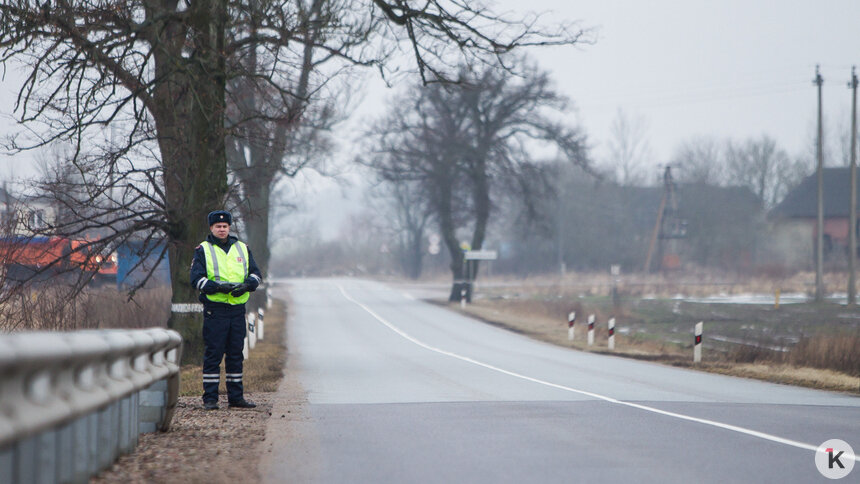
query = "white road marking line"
{"x": 712, "y": 423}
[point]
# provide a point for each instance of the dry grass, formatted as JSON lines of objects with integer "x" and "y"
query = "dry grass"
{"x": 690, "y": 283}
{"x": 818, "y": 361}
{"x": 265, "y": 364}
{"x": 545, "y": 320}
{"x": 56, "y": 308}
{"x": 789, "y": 374}
{"x": 841, "y": 353}
{"x": 829, "y": 352}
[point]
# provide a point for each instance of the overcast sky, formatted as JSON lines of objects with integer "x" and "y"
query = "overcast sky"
{"x": 726, "y": 68}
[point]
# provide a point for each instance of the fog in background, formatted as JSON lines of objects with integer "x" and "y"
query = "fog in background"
{"x": 678, "y": 74}
{"x": 722, "y": 69}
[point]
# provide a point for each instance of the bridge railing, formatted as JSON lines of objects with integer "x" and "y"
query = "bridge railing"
{"x": 71, "y": 403}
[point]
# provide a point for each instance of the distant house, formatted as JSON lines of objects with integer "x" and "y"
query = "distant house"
{"x": 794, "y": 220}
{"x": 724, "y": 225}
{"x": 606, "y": 224}
{"x": 19, "y": 216}
{"x": 720, "y": 225}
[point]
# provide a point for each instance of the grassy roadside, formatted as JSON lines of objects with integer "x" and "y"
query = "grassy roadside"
{"x": 544, "y": 321}
{"x": 263, "y": 369}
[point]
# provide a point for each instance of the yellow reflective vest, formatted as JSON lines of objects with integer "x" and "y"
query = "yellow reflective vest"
{"x": 231, "y": 266}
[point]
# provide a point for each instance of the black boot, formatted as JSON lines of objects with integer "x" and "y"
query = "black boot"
{"x": 242, "y": 404}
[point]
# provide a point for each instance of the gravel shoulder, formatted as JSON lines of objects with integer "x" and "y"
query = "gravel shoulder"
{"x": 218, "y": 446}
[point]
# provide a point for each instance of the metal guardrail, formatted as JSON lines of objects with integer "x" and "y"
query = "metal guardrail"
{"x": 70, "y": 403}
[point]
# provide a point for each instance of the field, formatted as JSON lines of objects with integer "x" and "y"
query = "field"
{"x": 746, "y": 333}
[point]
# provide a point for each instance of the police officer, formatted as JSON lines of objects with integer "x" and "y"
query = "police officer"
{"x": 224, "y": 272}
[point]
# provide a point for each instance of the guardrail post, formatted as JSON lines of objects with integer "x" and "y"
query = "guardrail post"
{"x": 125, "y": 440}
{"x": 6, "y": 464}
{"x": 697, "y": 345}
{"x": 590, "y": 329}
{"x": 152, "y": 401}
{"x": 92, "y": 435}
{"x": 25, "y": 460}
{"x": 610, "y": 343}
{"x": 135, "y": 419}
{"x": 82, "y": 449}
{"x": 64, "y": 447}
{"x": 571, "y": 318}
{"x": 251, "y": 320}
{"x": 103, "y": 439}
{"x": 71, "y": 403}
{"x": 260, "y": 313}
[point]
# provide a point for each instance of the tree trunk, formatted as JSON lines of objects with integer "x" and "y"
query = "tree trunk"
{"x": 481, "y": 199}
{"x": 257, "y": 224}
{"x": 190, "y": 123}
{"x": 415, "y": 253}
{"x": 448, "y": 232}
{"x": 257, "y": 227}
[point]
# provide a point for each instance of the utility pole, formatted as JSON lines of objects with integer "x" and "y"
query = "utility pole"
{"x": 852, "y": 212}
{"x": 560, "y": 227}
{"x": 819, "y": 246}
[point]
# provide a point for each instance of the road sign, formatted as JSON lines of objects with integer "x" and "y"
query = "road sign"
{"x": 481, "y": 255}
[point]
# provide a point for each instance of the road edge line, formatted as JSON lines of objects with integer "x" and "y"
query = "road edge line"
{"x": 712, "y": 423}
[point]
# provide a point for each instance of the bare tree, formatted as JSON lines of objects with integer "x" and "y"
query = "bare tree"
{"x": 409, "y": 215}
{"x": 699, "y": 160}
{"x": 463, "y": 142}
{"x": 764, "y": 168}
{"x": 272, "y": 135}
{"x": 161, "y": 69}
{"x": 629, "y": 152}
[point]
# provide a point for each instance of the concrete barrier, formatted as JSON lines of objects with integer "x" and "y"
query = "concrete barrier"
{"x": 71, "y": 403}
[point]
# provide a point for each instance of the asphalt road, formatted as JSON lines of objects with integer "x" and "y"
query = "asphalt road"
{"x": 383, "y": 388}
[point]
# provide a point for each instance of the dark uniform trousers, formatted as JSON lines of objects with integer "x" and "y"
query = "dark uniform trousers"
{"x": 223, "y": 332}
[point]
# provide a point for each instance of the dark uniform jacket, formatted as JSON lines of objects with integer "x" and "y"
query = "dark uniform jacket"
{"x": 201, "y": 282}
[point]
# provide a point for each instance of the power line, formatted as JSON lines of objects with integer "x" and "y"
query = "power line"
{"x": 680, "y": 96}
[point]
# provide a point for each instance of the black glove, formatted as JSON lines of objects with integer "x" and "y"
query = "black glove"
{"x": 252, "y": 283}
{"x": 211, "y": 287}
{"x": 226, "y": 287}
{"x": 239, "y": 290}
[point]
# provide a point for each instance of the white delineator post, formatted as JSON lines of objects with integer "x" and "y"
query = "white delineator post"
{"x": 697, "y": 346}
{"x": 463, "y": 298}
{"x": 590, "y": 329}
{"x": 570, "y": 320}
{"x": 260, "y": 313}
{"x": 252, "y": 330}
{"x": 245, "y": 349}
{"x": 611, "y": 342}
